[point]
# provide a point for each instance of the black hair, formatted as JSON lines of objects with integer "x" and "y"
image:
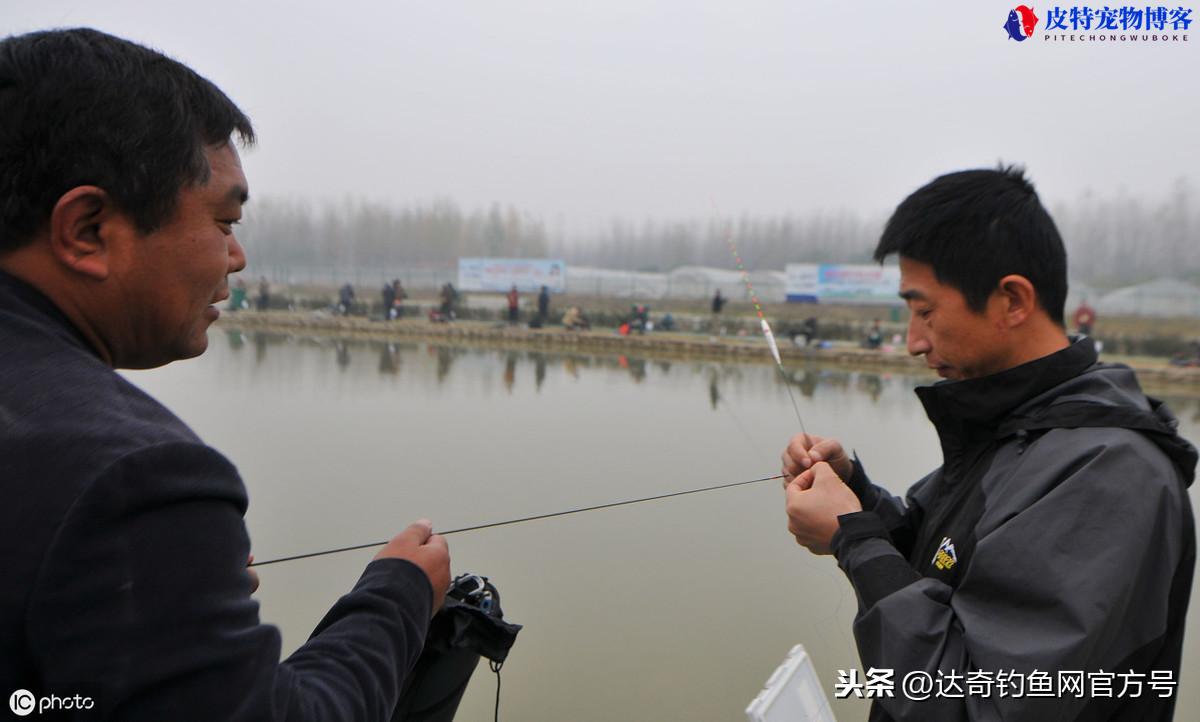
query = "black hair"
{"x": 976, "y": 226}
{"x": 81, "y": 107}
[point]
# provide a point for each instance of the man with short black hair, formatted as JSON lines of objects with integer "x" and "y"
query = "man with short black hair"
{"x": 1057, "y": 536}
{"x": 125, "y": 579}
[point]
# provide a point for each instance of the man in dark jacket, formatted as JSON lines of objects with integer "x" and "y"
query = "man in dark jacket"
{"x": 389, "y": 299}
{"x": 1044, "y": 570}
{"x": 543, "y": 304}
{"x": 125, "y": 581}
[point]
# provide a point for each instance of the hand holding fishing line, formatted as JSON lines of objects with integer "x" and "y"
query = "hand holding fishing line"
{"x": 815, "y": 472}
{"x": 804, "y": 450}
{"x": 814, "y": 503}
{"x": 419, "y": 545}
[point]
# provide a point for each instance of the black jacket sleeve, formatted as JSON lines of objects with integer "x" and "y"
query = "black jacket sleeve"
{"x": 899, "y": 519}
{"x": 143, "y": 603}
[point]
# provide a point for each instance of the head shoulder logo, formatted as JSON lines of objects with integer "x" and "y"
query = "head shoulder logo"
{"x": 1021, "y": 22}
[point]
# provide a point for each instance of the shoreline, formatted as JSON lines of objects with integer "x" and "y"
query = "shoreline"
{"x": 1153, "y": 373}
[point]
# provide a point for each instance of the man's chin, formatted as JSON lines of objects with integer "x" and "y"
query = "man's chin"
{"x": 163, "y": 356}
{"x": 193, "y": 346}
{"x": 197, "y": 346}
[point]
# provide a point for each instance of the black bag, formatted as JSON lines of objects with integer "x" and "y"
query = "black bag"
{"x": 469, "y": 625}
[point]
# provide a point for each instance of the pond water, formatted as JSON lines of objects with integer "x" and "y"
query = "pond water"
{"x": 669, "y": 610}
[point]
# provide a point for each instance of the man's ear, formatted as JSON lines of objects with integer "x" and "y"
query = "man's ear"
{"x": 83, "y": 225}
{"x": 1019, "y": 299}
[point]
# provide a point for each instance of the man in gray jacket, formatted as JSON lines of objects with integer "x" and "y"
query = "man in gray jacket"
{"x": 1043, "y": 571}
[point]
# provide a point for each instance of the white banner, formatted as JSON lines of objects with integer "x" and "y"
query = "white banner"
{"x": 500, "y": 274}
{"x": 843, "y": 283}
{"x": 803, "y": 282}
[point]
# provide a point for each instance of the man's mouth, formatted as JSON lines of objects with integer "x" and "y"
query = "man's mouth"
{"x": 940, "y": 369}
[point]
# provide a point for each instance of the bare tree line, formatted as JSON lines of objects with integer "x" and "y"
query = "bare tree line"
{"x": 1111, "y": 240}
{"x": 762, "y": 242}
{"x": 357, "y": 234}
{"x": 1121, "y": 239}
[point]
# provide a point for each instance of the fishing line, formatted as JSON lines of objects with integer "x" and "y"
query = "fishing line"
{"x": 766, "y": 327}
{"x": 522, "y": 520}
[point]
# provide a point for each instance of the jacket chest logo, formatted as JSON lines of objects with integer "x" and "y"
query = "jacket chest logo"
{"x": 945, "y": 558}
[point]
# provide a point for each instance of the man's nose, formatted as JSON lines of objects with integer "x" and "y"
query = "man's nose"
{"x": 237, "y": 255}
{"x": 917, "y": 343}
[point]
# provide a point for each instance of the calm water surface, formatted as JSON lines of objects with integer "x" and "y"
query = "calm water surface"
{"x": 669, "y": 610}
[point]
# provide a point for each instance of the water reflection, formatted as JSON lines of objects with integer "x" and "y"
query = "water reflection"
{"x": 389, "y": 359}
{"x": 871, "y": 384}
{"x": 636, "y": 367}
{"x": 808, "y": 380}
{"x": 445, "y": 359}
{"x": 510, "y": 372}
{"x": 415, "y": 358}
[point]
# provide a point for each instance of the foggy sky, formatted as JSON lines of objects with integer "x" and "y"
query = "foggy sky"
{"x": 584, "y": 111}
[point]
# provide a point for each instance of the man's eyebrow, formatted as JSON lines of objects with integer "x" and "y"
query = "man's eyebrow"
{"x": 913, "y": 295}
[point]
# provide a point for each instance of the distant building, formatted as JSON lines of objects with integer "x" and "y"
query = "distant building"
{"x": 1163, "y": 297}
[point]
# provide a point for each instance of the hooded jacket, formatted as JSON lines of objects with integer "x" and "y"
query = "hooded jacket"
{"x": 1057, "y": 537}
